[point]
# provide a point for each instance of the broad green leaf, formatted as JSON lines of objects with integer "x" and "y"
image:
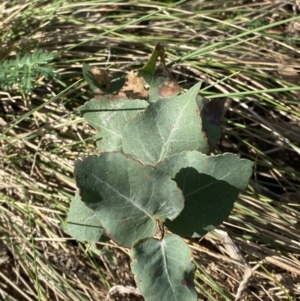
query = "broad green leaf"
{"x": 82, "y": 224}
{"x": 210, "y": 186}
{"x": 127, "y": 196}
{"x": 108, "y": 118}
{"x": 166, "y": 127}
{"x": 163, "y": 269}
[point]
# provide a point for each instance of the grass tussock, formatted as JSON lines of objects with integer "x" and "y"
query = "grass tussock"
{"x": 246, "y": 51}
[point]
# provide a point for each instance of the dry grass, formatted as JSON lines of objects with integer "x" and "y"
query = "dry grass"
{"x": 247, "y": 51}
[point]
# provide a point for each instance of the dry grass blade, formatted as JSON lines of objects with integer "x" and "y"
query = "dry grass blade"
{"x": 233, "y": 251}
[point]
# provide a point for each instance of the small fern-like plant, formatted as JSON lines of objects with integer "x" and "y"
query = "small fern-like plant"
{"x": 24, "y": 71}
{"x": 154, "y": 172}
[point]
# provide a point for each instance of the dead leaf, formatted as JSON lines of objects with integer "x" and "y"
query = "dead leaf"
{"x": 101, "y": 77}
{"x": 151, "y": 79}
{"x": 135, "y": 87}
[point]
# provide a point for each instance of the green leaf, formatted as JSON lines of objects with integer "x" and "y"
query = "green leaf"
{"x": 166, "y": 127}
{"x": 82, "y": 224}
{"x": 163, "y": 269}
{"x": 25, "y": 69}
{"x": 211, "y": 115}
{"x": 149, "y": 68}
{"x": 108, "y": 118}
{"x": 210, "y": 186}
{"x": 127, "y": 196}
